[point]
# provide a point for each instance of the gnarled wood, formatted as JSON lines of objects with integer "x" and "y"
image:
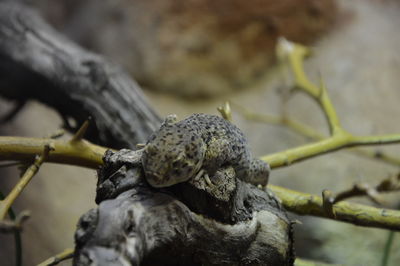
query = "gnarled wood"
{"x": 38, "y": 63}
{"x": 147, "y": 226}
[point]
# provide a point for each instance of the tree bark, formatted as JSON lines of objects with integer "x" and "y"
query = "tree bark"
{"x": 38, "y": 63}
{"x": 191, "y": 223}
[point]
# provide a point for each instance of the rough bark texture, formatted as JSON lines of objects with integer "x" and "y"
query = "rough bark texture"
{"x": 38, "y": 63}
{"x": 181, "y": 225}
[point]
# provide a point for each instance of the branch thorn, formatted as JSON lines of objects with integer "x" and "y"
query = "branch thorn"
{"x": 81, "y": 131}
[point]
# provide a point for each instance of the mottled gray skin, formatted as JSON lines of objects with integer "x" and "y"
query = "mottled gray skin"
{"x": 178, "y": 151}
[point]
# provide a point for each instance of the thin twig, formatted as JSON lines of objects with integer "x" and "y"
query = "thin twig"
{"x": 78, "y": 136}
{"x": 225, "y": 111}
{"x": 387, "y": 249}
{"x": 56, "y": 259}
{"x": 337, "y": 142}
{"x": 293, "y": 55}
{"x": 17, "y": 237}
{"x": 290, "y": 123}
{"x": 360, "y": 189}
{"x": 26, "y": 178}
{"x": 307, "y": 204}
{"x": 310, "y": 133}
{"x": 14, "y": 225}
{"x": 389, "y": 184}
{"x": 303, "y": 262}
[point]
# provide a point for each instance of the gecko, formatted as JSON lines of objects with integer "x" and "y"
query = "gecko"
{"x": 196, "y": 147}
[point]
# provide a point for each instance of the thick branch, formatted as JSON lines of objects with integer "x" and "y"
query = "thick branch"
{"x": 37, "y": 62}
{"x": 337, "y": 142}
{"x": 82, "y": 153}
{"x": 188, "y": 224}
{"x": 307, "y": 204}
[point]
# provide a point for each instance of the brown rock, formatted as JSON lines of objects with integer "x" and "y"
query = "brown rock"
{"x": 200, "y": 47}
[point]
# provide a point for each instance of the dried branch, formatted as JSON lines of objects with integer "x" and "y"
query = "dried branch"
{"x": 82, "y": 153}
{"x": 14, "y": 225}
{"x": 285, "y": 121}
{"x": 358, "y": 214}
{"x": 56, "y": 259}
{"x": 303, "y": 262}
{"x": 306, "y": 204}
{"x": 78, "y": 136}
{"x": 37, "y": 62}
{"x": 225, "y": 111}
{"x": 17, "y": 236}
{"x": 292, "y": 55}
{"x": 191, "y": 223}
{"x": 389, "y": 184}
{"x": 90, "y": 155}
{"x": 23, "y": 182}
{"x": 310, "y": 133}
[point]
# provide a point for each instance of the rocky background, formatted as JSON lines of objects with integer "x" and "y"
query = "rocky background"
{"x": 192, "y": 57}
{"x": 192, "y": 48}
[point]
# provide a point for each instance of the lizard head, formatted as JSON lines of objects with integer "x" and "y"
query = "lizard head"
{"x": 172, "y": 155}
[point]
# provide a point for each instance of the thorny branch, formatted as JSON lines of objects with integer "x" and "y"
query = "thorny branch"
{"x": 56, "y": 259}
{"x": 310, "y": 133}
{"x": 358, "y": 214}
{"x": 82, "y": 153}
{"x": 307, "y": 204}
{"x": 23, "y": 182}
{"x": 41, "y": 153}
{"x": 389, "y": 184}
{"x": 14, "y": 225}
{"x": 292, "y": 55}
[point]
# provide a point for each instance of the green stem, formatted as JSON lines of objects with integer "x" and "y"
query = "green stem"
{"x": 388, "y": 246}
{"x": 17, "y": 237}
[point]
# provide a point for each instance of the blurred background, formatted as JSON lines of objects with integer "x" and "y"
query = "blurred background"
{"x": 191, "y": 56}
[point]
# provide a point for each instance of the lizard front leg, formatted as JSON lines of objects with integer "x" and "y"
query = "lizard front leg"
{"x": 217, "y": 154}
{"x": 258, "y": 172}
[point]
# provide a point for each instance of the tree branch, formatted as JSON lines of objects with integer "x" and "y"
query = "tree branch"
{"x": 188, "y": 224}
{"x": 23, "y": 182}
{"x": 82, "y": 153}
{"x": 56, "y": 259}
{"x": 292, "y": 55}
{"x": 310, "y": 133}
{"x": 358, "y": 214}
{"x": 38, "y": 63}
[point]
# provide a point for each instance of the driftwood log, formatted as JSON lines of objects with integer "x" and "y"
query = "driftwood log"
{"x": 38, "y": 63}
{"x": 193, "y": 223}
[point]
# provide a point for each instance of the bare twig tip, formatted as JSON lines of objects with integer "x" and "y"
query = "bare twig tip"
{"x": 328, "y": 200}
{"x": 140, "y": 145}
{"x": 81, "y": 131}
{"x": 225, "y": 111}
